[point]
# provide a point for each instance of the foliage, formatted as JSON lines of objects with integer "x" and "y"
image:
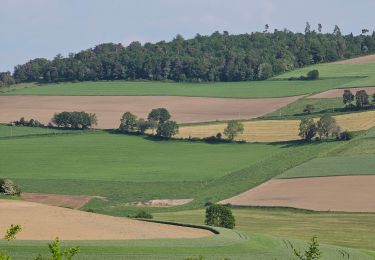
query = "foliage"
{"x": 58, "y": 253}
{"x": 327, "y": 126}
{"x": 346, "y": 136}
{"x": 347, "y": 98}
{"x": 159, "y": 115}
{"x": 8, "y": 187}
{"x": 74, "y": 120}
{"x": 361, "y": 98}
{"x": 227, "y": 57}
{"x": 4, "y": 256}
{"x": 307, "y": 129}
{"x": 219, "y": 216}
{"x": 128, "y": 122}
{"x": 167, "y": 129}
{"x": 233, "y": 129}
{"x": 144, "y": 214}
{"x": 30, "y": 123}
{"x": 12, "y": 231}
{"x": 142, "y": 125}
{"x": 309, "y": 109}
{"x": 313, "y": 75}
{"x": 311, "y": 253}
{"x": 6, "y": 79}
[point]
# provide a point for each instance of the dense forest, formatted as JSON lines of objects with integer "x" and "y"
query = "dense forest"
{"x": 218, "y": 57}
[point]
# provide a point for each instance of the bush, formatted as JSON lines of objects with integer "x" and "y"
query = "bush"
{"x": 30, "y": 123}
{"x": 219, "y": 216}
{"x": 167, "y": 129}
{"x": 313, "y": 75}
{"x": 144, "y": 214}
{"x": 346, "y": 136}
{"x": 74, "y": 120}
{"x": 8, "y": 187}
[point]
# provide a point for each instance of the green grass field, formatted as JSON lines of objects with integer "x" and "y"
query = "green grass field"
{"x": 249, "y": 89}
{"x": 229, "y": 244}
{"x": 14, "y": 131}
{"x": 295, "y": 110}
{"x": 343, "y": 229}
{"x": 364, "y": 72}
{"x": 354, "y": 158}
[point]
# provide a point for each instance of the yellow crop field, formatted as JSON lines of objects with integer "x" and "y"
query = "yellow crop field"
{"x": 277, "y": 130}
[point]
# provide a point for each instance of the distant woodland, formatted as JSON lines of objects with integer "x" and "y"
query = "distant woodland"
{"x": 217, "y": 57}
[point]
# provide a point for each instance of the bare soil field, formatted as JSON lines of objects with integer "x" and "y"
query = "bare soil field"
{"x": 66, "y": 201}
{"x": 160, "y": 203}
{"x": 341, "y": 193}
{"x": 333, "y": 93}
{"x": 360, "y": 60}
{"x": 109, "y": 109}
{"x": 278, "y": 130}
{"x": 43, "y": 222}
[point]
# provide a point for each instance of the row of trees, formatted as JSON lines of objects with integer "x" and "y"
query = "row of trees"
{"x": 217, "y": 57}
{"x": 158, "y": 119}
{"x": 326, "y": 127}
{"x": 361, "y": 99}
{"x": 74, "y": 120}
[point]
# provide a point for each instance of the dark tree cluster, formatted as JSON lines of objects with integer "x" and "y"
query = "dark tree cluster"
{"x": 218, "y": 57}
{"x": 158, "y": 119}
{"x": 361, "y": 98}
{"x": 30, "y": 123}
{"x": 74, "y": 120}
{"x": 219, "y": 216}
{"x": 6, "y": 79}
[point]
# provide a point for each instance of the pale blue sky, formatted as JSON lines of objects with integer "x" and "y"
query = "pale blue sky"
{"x": 44, "y": 28}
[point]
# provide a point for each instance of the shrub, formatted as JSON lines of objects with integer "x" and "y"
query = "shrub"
{"x": 219, "y": 216}
{"x": 144, "y": 214}
{"x": 30, "y": 123}
{"x": 8, "y": 187}
{"x": 233, "y": 129}
{"x": 313, "y": 75}
{"x": 74, "y": 120}
{"x": 309, "y": 109}
{"x": 346, "y": 136}
{"x": 167, "y": 129}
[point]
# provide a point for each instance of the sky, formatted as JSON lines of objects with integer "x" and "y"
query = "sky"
{"x": 44, "y": 28}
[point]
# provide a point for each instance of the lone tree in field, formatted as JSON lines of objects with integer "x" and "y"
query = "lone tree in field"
{"x": 348, "y": 98}
{"x": 233, "y": 129}
{"x": 307, "y": 129}
{"x": 8, "y": 187}
{"x": 361, "y": 98}
{"x": 167, "y": 129}
{"x": 128, "y": 122}
{"x": 219, "y": 216}
{"x": 313, "y": 75}
{"x": 160, "y": 115}
{"x": 309, "y": 108}
{"x": 327, "y": 126}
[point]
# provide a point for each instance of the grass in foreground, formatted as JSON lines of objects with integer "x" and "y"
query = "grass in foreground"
{"x": 344, "y": 229}
{"x": 229, "y": 244}
{"x": 249, "y": 89}
{"x": 17, "y": 131}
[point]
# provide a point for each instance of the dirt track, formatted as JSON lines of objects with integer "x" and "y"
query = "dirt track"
{"x": 333, "y": 93}
{"x": 342, "y": 193}
{"x": 360, "y": 60}
{"x": 109, "y": 109}
{"x": 42, "y": 222}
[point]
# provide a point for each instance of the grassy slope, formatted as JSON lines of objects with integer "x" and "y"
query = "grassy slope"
{"x": 366, "y": 71}
{"x": 344, "y": 229}
{"x": 233, "y": 245}
{"x": 250, "y": 89}
{"x": 355, "y": 158}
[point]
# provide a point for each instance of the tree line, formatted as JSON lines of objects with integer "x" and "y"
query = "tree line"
{"x": 217, "y": 57}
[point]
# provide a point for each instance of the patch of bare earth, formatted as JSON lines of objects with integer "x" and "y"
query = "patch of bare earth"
{"x": 341, "y": 193}
{"x": 109, "y": 109}
{"x": 66, "y": 201}
{"x": 334, "y": 93}
{"x": 360, "y": 60}
{"x": 43, "y": 222}
{"x": 160, "y": 203}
